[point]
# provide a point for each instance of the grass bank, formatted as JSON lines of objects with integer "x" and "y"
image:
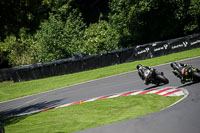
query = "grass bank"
{"x": 88, "y": 115}
{"x": 10, "y": 90}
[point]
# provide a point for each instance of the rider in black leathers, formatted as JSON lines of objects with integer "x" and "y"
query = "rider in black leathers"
{"x": 180, "y": 70}
{"x": 141, "y": 70}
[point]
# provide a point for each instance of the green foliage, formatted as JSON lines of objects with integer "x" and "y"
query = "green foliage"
{"x": 118, "y": 18}
{"x": 57, "y": 40}
{"x": 100, "y": 37}
{"x": 152, "y": 20}
{"x": 18, "y": 49}
{"x": 50, "y": 40}
{"x": 74, "y": 31}
{"x": 193, "y": 22}
{"x": 3, "y": 55}
{"x": 16, "y": 14}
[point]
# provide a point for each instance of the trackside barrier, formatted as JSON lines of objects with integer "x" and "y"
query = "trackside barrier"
{"x": 82, "y": 63}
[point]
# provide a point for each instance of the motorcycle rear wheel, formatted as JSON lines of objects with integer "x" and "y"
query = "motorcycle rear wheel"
{"x": 162, "y": 79}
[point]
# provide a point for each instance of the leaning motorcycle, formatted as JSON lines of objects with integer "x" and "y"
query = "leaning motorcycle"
{"x": 155, "y": 77}
{"x": 191, "y": 73}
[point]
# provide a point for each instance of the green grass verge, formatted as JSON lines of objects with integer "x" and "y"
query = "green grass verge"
{"x": 88, "y": 115}
{"x": 10, "y": 90}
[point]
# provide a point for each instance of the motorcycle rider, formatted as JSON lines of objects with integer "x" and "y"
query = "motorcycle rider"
{"x": 181, "y": 71}
{"x": 141, "y": 70}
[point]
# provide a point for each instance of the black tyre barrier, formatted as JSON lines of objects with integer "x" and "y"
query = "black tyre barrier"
{"x": 82, "y": 62}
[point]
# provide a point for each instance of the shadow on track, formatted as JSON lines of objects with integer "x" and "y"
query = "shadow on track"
{"x": 154, "y": 86}
{"x": 151, "y": 87}
{"x": 39, "y": 106}
{"x": 8, "y": 117}
{"x": 188, "y": 84}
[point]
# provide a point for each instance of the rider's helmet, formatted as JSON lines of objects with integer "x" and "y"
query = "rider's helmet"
{"x": 139, "y": 66}
{"x": 172, "y": 64}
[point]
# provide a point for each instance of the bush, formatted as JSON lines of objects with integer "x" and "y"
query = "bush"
{"x": 57, "y": 40}
{"x": 19, "y": 50}
{"x": 99, "y": 38}
{"x": 144, "y": 21}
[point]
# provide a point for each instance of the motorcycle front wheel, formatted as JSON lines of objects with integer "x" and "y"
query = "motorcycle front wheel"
{"x": 196, "y": 76}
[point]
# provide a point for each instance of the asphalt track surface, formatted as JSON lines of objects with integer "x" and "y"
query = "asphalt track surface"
{"x": 183, "y": 117}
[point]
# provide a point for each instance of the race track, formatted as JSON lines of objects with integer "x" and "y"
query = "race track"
{"x": 182, "y": 118}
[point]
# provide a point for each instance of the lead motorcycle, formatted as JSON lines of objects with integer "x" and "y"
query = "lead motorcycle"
{"x": 187, "y": 71}
{"x": 153, "y": 76}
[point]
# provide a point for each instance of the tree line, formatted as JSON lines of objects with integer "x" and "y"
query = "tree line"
{"x": 34, "y": 31}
